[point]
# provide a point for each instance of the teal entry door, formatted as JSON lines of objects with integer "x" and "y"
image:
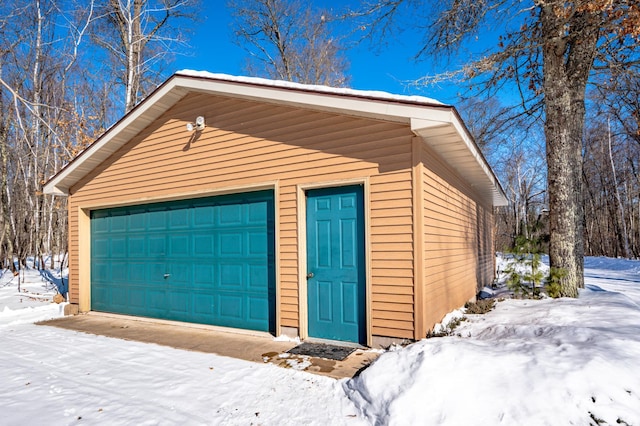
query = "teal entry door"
{"x": 335, "y": 264}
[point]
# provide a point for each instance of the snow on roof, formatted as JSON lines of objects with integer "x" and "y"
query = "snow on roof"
{"x": 376, "y": 94}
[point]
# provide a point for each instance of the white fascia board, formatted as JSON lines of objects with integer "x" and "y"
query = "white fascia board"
{"x": 51, "y": 189}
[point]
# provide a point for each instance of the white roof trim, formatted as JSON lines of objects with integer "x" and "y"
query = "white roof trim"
{"x": 424, "y": 115}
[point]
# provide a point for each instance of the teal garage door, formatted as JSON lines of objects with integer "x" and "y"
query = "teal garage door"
{"x": 205, "y": 260}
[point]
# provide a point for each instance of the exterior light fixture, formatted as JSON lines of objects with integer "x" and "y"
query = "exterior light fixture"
{"x": 198, "y": 126}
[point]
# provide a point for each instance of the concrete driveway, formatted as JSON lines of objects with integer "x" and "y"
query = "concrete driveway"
{"x": 249, "y": 346}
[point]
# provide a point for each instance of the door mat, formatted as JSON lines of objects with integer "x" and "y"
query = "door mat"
{"x": 322, "y": 350}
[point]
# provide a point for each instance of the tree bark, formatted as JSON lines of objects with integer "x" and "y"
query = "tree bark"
{"x": 568, "y": 52}
{"x": 6, "y": 246}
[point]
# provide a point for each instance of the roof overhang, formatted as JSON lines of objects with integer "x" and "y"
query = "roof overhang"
{"x": 439, "y": 125}
{"x": 451, "y": 140}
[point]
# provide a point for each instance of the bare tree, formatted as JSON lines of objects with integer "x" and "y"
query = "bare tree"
{"x": 517, "y": 155}
{"x": 37, "y": 54}
{"x": 39, "y": 77}
{"x": 289, "y": 41}
{"x": 520, "y": 168}
{"x": 548, "y": 53}
{"x": 611, "y": 182}
{"x": 138, "y": 35}
{"x": 55, "y": 98}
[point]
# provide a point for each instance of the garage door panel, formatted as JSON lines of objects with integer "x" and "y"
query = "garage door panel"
{"x": 208, "y": 260}
{"x": 231, "y": 307}
{"x": 101, "y": 247}
{"x": 156, "y": 270}
{"x": 156, "y": 219}
{"x": 203, "y": 216}
{"x": 157, "y": 245}
{"x": 136, "y": 246}
{"x": 156, "y": 299}
{"x": 257, "y": 244}
{"x": 118, "y": 271}
{"x": 179, "y": 219}
{"x": 100, "y": 269}
{"x": 118, "y": 222}
{"x": 99, "y": 297}
{"x": 137, "y": 298}
{"x": 258, "y": 309}
{"x": 137, "y": 221}
{"x": 100, "y": 223}
{"x": 229, "y": 244}
{"x": 136, "y": 272}
{"x": 258, "y": 276}
{"x": 203, "y": 275}
{"x": 258, "y": 213}
{"x": 179, "y": 245}
{"x": 120, "y": 297}
{"x": 118, "y": 246}
{"x": 203, "y": 303}
{"x": 231, "y": 276}
{"x": 203, "y": 245}
{"x": 178, "y": 274}
{"x": 179, "y": 302}
{"x": 230, "y": 215}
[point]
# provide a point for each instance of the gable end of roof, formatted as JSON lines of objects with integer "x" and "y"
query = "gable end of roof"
{"x": 426, "y": 117}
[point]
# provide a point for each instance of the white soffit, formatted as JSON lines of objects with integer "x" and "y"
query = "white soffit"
{"x": 433, "y": 121}
{"x": 451, "y": 141}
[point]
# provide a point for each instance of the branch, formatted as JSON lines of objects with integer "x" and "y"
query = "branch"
{"x": 28, "y": 105}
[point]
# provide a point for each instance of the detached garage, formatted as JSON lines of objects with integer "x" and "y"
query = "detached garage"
{"x": 310, "y": 211}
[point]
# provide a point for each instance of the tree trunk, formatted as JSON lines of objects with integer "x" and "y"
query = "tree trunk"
{"x": 563, "y": 130}
{"x": 568, "y": 54}
{"x": 623, "y": 236}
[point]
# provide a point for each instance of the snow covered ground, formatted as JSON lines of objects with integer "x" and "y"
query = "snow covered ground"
{"x": 555, "y": 362}
{"x": 28, "y": 296}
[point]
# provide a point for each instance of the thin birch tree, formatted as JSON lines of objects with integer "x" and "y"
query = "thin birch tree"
{"x": 138, "y": 36}
{"x": 55, "y": 98}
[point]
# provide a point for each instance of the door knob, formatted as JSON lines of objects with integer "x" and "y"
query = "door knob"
{"x": 310, "y": 275}
{"x": 166, "y": 276}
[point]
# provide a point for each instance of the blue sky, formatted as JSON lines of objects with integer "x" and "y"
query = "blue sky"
{"x": 389, "y": 68}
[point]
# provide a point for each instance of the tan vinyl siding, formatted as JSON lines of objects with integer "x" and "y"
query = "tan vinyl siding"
{"x": 486, "y": 249}
{"x": 392, "y": 252}
{"x": 246, "y": 143}
{"x": 73, "y": 251}
{"x": 458, "y": 240}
